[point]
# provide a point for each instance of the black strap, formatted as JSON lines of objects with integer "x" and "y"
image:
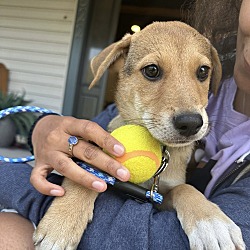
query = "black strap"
{"x": 201, "y": 176}
{"x": 231, "y": 174}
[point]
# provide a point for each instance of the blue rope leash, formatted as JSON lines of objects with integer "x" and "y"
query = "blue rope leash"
{"x": 21, "y": 109}
{"x": 156, "y": 197}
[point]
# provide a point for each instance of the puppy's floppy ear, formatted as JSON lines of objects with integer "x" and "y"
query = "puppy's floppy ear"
{"x": 217, "y": 71}
{"x": 109, "y": 55}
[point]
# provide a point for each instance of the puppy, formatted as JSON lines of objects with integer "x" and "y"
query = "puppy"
{"x": 167, "y": 70}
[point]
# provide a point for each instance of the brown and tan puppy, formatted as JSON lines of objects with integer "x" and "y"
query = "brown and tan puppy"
{"x": 167, "y": 70}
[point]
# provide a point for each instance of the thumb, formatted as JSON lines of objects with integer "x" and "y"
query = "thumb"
{"x": 41, "y": 184}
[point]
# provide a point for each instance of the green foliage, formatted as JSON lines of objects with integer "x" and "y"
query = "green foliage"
{"x": 23, "y": 121}
{"x": 12, "y": 99}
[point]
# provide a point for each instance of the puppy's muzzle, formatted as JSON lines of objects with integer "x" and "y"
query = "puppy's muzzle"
{"x": 188, "y": 124}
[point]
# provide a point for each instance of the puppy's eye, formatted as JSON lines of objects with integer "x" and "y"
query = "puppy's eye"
{"x": 151, "y": 72}
{"x": 202, "y": 73}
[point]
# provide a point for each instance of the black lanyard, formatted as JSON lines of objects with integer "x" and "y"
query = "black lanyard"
{"x": 231, "y": 174}
{"x": 201, "y": 176}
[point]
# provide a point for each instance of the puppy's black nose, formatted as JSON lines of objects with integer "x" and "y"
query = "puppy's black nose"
{"x": 188, "y": 124}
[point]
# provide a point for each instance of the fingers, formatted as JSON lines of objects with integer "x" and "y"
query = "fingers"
{"x": 39, "y": 181}
{"x": 97, "y": 157}
{"x": 71, "y": 170}
{"x": 68, "y": 168}
{"x": 93, "y": 155}
{"x": 91, "y": 131}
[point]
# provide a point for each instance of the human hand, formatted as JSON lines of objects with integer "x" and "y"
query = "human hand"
{"x": 51, "y": 150}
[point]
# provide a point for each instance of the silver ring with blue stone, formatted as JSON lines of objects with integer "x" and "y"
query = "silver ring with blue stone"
{"x": 73, "y": 140}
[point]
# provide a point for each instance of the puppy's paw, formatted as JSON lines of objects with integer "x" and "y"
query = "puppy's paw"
{"x": 60, "y": 232}
{"x": 216, "y": 234}
{"x": 66, "y": 219}
{"x": 209, "y": 228}
{"x": 64, "y": 223}
{"x": 45, "y": 240}
{"x": 206, "y": 226}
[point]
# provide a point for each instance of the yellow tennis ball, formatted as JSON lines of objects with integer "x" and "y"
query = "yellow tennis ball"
{"x": 143, "y": 152}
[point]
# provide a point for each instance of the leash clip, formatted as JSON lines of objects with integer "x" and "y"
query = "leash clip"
{"x": 164, "y": 164}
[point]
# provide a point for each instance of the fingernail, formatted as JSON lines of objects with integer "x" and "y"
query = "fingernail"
{"x": 98, "y": 186}
{"x": 123, "y": 174}
{"x": 56, "y": 192}
{"x": 118, "y": 149}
